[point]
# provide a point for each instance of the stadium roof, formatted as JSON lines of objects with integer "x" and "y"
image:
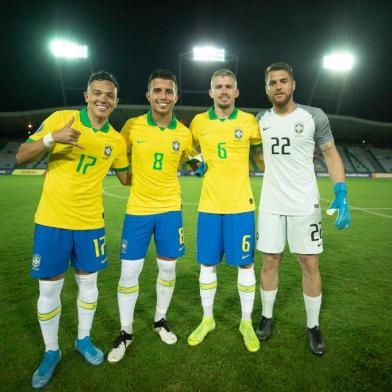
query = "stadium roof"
{"x": 350, "y": 129}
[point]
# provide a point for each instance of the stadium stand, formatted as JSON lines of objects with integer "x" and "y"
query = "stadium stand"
{"x": 365, "y": 146}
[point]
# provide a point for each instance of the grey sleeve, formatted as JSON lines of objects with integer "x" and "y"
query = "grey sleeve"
{"x": 260, "y": 115}
{"x": 322, "y": 132}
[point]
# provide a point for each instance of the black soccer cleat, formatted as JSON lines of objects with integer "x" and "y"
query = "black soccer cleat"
{"x": 120, "y": 345}
{"x": 316, "y": 342}
{"x": 264, "y": 329}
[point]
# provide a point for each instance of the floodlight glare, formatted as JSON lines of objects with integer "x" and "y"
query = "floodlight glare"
{"x": 68, "y": 49}
{"x": 208, "y": 54}
{"x": 340, "y": 61}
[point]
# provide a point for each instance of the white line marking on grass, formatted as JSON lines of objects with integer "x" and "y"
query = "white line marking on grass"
{"x": 368, "y": 210}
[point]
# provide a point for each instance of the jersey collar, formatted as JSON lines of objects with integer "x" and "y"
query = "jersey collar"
{"x": 87, "y": 123}
{"x": 212, "y": 115}
{"x": 152, "y": 123}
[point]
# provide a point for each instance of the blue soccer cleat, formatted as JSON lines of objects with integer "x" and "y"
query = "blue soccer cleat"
{"x": 91, "y": 353}
{"x": 44, "y": 373}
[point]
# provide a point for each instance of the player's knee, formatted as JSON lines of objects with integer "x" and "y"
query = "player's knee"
{"x": 309, "y": 264}
{"x": 271, "y": 263}
{"x": 130, "y": 271}
{"x": 207, "y": 273}
{"x": 167, "y": 269}
{"x": 49, "y": 289}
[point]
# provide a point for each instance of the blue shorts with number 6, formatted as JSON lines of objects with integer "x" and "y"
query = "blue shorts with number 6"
{"x": 55, "y": 248}
{"x": 230, "y": 234}
{"x": 168, "y": 235}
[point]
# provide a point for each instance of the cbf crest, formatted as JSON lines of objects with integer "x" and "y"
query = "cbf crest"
{"x": 36, "y": 261}
{"x": 108, "y": 150}
{"x": 176, "y": 146}
{"x": 238, "y": 133}
{"x": 299, "y": 127}
{"x": 124, "y": 246}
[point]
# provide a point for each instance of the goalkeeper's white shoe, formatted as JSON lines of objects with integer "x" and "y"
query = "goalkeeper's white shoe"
{"x": 162, "y": 328}
{"x": 119, "y": 347}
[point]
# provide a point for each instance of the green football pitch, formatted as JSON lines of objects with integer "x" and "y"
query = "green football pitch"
{"x": 356, "y": 315}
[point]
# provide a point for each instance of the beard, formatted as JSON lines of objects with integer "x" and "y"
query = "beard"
{"x": 281, "y": 102}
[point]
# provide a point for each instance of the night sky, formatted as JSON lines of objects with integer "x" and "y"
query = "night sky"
{"x": 131, "y": 40}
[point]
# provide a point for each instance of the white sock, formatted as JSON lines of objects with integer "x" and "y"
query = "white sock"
{"x": 208, "y": 285}
{"x": 86, "y": 302}
{"x": 246, "y": 290}
{"x": 267, "y": 301}
{"x": 312, "y": 307}
{"x": 49, "y": 310}
{"x": 128, "y": 292}
{"x": 165, "y": 286}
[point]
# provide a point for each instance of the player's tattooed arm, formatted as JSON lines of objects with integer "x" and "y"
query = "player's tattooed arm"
{"x": 333, "y": 161}
{"x": 325, "y": 147}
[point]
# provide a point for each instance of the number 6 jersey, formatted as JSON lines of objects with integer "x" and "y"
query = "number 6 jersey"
{"x": 289, "y": 185}
{"x": 225, "y": 147}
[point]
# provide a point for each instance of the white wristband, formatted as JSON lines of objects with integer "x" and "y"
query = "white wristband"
{"x": 48, "y": 140}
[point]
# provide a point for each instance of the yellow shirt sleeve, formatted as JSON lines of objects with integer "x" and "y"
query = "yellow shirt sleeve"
{"x": 121, "y": 162}
{"x": 255, "y": 136}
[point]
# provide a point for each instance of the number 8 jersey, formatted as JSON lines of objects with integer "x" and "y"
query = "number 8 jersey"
{"x": 289, "y": 185}
{"x": 156, "y": 154}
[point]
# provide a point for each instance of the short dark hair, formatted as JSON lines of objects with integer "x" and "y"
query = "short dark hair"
{"x": 103, "y": 75}
{"x": 162, "y": 73}
{"x": 279, "y": 67}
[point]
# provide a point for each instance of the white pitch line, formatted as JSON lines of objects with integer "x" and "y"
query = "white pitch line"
{"x": 368, "y": 210}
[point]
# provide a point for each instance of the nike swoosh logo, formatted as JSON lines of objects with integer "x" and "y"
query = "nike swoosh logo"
{"x": 140, "y": 141}
{"x": 244, "y": 257}
{"x": 264, "y": 129}
{"x": 180, "y": 249}
{"x": 104, "y": 260}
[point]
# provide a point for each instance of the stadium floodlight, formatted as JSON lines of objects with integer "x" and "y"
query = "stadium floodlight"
{"x": 339, "y": 61}
{"x": 68, "y": 49}
{"x": 208, "y": 54}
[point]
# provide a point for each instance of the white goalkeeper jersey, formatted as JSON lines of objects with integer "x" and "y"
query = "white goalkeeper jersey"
{"x": 289, "y": 185}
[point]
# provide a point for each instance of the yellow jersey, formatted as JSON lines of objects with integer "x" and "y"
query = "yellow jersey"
{"x": 72, "y": 192}
{"x": 225, "y": 145}
{"x": 155, "y": 156}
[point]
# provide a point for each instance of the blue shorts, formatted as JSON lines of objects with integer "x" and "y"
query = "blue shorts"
{"x": 168, "y": 235}
{"x": 230, "y": 234}
{"x": 54, "y": 248}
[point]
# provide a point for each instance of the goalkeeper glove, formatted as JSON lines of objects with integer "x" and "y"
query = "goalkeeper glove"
{"x": 201, "y": 169}
{"x": 340, "y": 204}
{"x": 198, "y": 165}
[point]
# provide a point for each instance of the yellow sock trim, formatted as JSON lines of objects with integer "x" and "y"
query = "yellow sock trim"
{"x": 128, "y": 290}
{"x": 86, "y": 305}
{"x": 167, "y": 283}
{"x": 247, "y": 289}
{"x": 50, "y": 315}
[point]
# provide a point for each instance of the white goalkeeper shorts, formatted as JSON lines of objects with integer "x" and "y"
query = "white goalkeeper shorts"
{"x": 303, "y": 233}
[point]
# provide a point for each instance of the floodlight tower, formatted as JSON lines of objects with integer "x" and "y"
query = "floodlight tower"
{"x": 204, "y": 54}
{"x": 63, "y": 49}
{"x": 337, "y": 62}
